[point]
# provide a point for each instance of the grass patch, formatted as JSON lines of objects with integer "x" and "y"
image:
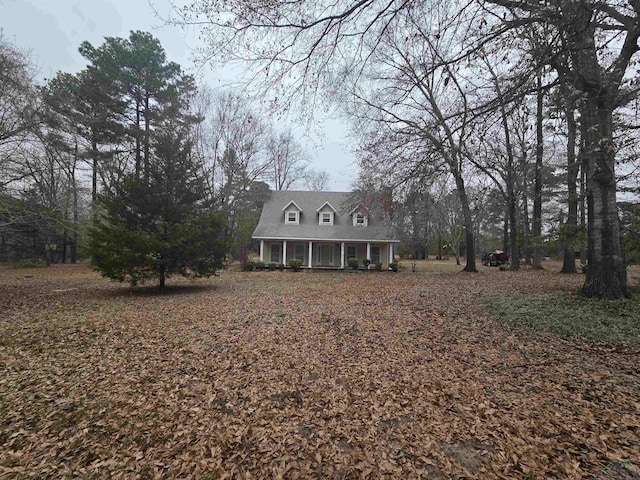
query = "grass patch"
{"x": 562, "y": 314}
{"x": 32, "y": 263}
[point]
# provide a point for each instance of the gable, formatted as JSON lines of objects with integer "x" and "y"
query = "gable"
{"x": 291, "y": 206}
{"x": 326, "y": 207}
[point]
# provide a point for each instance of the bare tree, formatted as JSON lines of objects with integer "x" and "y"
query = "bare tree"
{"x": 230, "y": 151}
{"x": 19, "y": 112}
{"x": 601, "y": 41}
{"x": 232, "y": 126}
{"x": 420, "y": 98}
{"x": 287, "y": 160}
{"x": 317, "y": 180}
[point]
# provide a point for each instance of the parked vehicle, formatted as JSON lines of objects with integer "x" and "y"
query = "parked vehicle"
{"x": 495, "y": 258}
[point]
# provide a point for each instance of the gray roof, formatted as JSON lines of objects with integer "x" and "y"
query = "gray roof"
{"x": 272, "y": 226}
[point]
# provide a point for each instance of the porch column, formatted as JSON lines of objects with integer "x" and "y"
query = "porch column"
{"x": 262, "y": 250}
{"x": 284, "y": 252}
{"x": 391, "y": 253}
{"x": 310, "y": 252}
{"x": 342, "y": 255}
{"x": 368, "y": 251}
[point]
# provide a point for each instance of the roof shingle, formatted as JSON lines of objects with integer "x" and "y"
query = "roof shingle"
{"x": 272, "y": 226}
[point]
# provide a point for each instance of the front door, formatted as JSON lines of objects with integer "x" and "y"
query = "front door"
{"x": 326, "y": 255}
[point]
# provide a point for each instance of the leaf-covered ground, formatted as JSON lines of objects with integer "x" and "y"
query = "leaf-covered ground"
{"x": 304, "y": 375}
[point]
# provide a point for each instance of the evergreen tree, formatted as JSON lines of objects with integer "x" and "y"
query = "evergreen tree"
{"x": 160, "y": 226}
{"x": 138, "y": 77}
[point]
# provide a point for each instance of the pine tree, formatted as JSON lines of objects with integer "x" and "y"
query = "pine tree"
{"x": 161, "y": 226}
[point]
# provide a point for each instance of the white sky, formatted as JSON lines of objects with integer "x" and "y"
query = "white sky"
{"x": 52, "y": 30}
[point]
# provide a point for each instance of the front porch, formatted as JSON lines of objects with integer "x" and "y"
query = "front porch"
{"x": 325, "y": 254}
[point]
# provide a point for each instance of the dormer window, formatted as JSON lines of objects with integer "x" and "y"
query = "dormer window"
{"x": 359, "y": 216}
{"x": 326, "y": 214}
{"x": 292, "y": 213}
{"x": 360, "y": 220}
{"x": 326, "y": 218}
{"x": 292, "y": 217}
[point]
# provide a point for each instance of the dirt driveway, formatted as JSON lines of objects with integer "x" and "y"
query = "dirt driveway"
{"x": 303, "y": 375}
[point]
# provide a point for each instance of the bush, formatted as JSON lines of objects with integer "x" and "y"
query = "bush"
{"x": 260, "y": 265}
{"x": 272, "y": 266}
{"x": 249, "y": 266}
{"x": 295, "y": 264}
{"x": 353, "y": 263}
{"x": 393, "y": 266}
{"x": 281, "y": 267}
{"x": 366, "y": 262}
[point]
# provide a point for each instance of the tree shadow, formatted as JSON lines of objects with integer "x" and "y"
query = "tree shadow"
{"x": 167, "y": 290}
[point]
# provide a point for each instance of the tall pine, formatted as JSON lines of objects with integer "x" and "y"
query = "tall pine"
{"x": 156, "y": 224}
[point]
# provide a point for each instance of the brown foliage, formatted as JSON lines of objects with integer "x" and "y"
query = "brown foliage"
{"x": 313, "y": 375}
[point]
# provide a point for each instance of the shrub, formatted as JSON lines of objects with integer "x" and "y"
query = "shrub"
{"x": 353, "y": 263}
{"x": 366, "y": 262}
{"x": 281, "y": 267}
{"x": 249, "y": 266}
{"x": 393, "y": 266}
{"x": 260, "y": 265}
{"x": 295, "y": 264}
{"x": 272, "y": 266}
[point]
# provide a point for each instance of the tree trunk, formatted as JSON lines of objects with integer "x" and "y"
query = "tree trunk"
{"x": 513, "y": 230}
{"x": 162, "y": 276}
{"x": 138, "y": 165}
{"x": 65, "y": 242}
{"x": 537, "y": 185}
{"x": 582, "y": 201}
{"x": 94, "y": 183}
{"x": 73, "y": 247}
{"x": 606, "y": 272}
{"x": 147, "y": 133}
{"x": 510, "y": 181}
{"x": 505, "y": 232}
{"x": 468, "y": 223}
{"x": 94, "y": 174}
{"x": 526, "y": 240}
{"x": 571, "y": 227}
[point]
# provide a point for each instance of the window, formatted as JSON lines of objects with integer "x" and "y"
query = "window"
{"x": 359, "y": 219}
{"x": 292, "y": 217}
{"x": 298, "y": 251}
{"x": 351, "y": 251}
{"x": 275, "y": 253}
{"x": 375, "y": 254}
{"x": 326, "y": 218}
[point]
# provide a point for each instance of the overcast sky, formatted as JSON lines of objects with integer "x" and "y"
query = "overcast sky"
{"x": 52, "y": 30}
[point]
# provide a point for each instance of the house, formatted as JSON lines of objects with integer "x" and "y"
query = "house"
{"x": 323, "y": 230}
